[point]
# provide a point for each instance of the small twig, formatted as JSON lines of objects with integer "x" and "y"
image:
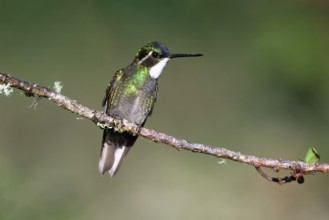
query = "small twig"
{"x": 32, "y": 89}
{"x": 296, "y": 175}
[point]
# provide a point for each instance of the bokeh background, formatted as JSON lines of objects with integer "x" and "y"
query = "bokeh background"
{"x": 261, "y": 88}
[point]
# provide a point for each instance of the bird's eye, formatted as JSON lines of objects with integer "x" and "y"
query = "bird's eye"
{"x": 155, "y": 55}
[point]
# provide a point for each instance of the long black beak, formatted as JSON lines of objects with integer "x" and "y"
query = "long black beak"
{"x": 176, "y": 55}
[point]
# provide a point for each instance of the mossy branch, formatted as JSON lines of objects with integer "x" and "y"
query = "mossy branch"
{"x": 32, "y": 89}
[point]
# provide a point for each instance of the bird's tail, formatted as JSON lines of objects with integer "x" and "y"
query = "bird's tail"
{"x": 115, "y": 147}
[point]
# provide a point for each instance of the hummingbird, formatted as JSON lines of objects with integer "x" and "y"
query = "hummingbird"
{"x": 131, "y": 95}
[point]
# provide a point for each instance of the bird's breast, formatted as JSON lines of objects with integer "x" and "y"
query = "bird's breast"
{"x": 135, "y": 107}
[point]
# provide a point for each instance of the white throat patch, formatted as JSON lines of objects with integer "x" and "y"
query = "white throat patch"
{"x": 156, "y": 70}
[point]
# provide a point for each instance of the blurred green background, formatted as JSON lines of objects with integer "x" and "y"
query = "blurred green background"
{"x": 261, "y": 88}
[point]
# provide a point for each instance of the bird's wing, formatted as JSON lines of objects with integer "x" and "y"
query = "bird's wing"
{"x": 110, "y": 90}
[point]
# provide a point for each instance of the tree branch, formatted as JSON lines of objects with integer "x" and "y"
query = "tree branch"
{"x": 32, "y": 89}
